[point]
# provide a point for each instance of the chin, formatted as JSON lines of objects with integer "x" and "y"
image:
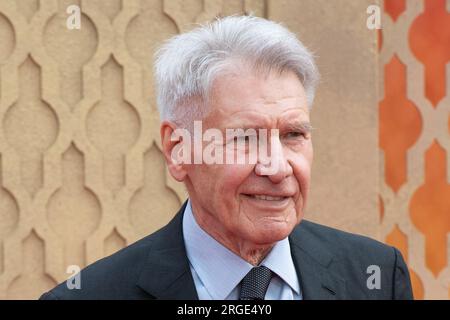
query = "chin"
{"x": 271, "y": 233}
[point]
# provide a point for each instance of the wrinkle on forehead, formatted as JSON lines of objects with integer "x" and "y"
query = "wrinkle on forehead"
{"x": 252, "y": 102}
{"x": 271, "y": 89}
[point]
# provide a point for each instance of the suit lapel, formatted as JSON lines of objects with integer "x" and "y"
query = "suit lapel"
{"x": 166, "y": 274}
{"x": 312, "y": 262}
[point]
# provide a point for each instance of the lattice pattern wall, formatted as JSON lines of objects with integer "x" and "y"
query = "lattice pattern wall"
{"x": 415, "y": 139}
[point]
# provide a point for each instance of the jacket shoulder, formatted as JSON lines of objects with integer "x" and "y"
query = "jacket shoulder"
{"x": 342, "y": 243}
{"x": 112, "y": 277}
{"x": 356, "y": 258}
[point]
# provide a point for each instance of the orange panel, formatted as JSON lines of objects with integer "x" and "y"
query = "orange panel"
{"x": 430, "y": 208}
{"x": 429, "y": 39}
{"x": 400, "y": 123}
{"x": 394, "y": 8}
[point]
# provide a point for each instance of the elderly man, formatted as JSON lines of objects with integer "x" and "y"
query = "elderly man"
{"x": 241, "y": 234}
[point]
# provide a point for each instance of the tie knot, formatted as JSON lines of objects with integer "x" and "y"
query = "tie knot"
{"x": 254, "y": 285}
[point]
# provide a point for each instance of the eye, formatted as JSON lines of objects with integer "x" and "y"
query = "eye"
{"x": 295, "y": 135}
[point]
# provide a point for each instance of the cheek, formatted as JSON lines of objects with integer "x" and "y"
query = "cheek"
{"x": 200, "y": 176}
{"x": 231, "y": 178}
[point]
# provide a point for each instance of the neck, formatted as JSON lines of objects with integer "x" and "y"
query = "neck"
{"x": 247, "y": 250}
{"x": 254, "y": 256}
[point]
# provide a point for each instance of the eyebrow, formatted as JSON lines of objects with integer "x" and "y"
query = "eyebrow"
{"x": 300, "y": 126}
{"x": 303, "y": 126}
{"x": 242, "y": 125}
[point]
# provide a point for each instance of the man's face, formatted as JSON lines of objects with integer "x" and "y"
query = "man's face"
{"x": 238, "y": 202}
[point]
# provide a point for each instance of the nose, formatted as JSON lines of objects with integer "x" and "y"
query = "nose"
{"x": 276, "y": 166}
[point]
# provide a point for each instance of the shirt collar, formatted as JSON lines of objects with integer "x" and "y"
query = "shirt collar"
{"x": 279, "y": 260}
{"x": 220, "y": 269}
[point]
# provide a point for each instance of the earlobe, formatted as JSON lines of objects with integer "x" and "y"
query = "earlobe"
{"x": 177, "y": 172}
{"x": 171, "y": 142}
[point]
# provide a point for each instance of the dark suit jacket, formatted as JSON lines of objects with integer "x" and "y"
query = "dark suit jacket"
{"x": 331, "y": 264}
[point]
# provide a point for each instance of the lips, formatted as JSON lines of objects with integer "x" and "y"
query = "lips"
{"x": 267, "y": 197}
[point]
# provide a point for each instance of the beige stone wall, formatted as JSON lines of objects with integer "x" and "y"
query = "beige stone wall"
{"x": 81, "y": 172}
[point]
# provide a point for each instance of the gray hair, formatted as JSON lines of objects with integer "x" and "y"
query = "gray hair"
{"x": 187, "y": 64}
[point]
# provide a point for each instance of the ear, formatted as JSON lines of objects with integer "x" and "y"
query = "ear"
{"x": 171, "y": 141}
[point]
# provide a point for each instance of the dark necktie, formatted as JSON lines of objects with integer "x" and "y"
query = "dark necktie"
{"x": 255, "y": 283}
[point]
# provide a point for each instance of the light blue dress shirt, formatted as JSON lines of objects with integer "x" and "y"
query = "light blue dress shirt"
{"x": 217, "y": 271}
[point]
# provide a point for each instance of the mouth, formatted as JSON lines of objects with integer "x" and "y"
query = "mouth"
{"x": 268, "y": 201}
{"x": 265, "y": 197}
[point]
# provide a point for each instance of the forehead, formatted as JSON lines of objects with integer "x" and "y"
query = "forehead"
{"x": 250, "y": 96}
